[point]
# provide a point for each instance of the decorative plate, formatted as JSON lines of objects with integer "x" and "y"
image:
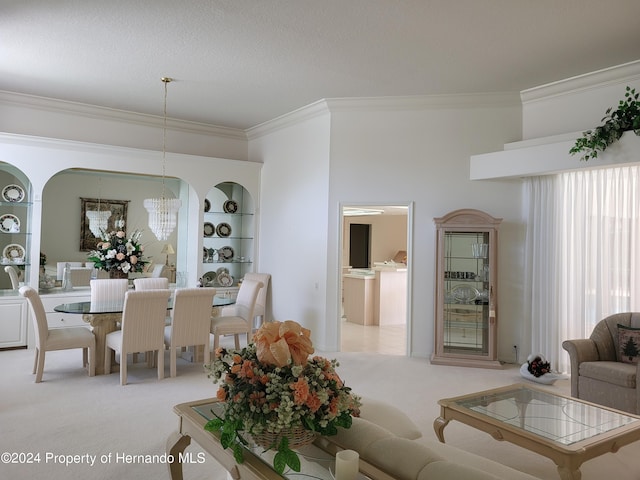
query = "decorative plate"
{"x": 225, "y": 254}
{"x": 225, "y": 280}
{"x": 9, "y": 223}
{"x": 209, "y": 229}
{"x": 222, "y": 270}
{"x": 230, "y": 206}
{"x": 13, "y": 252}
{"x": 464, "y": 293}
{"x": 13, "y": 193}
{"x": 208, "y": 278}
{"x": 223, "y": 229}
{"x": 207, "y": 205}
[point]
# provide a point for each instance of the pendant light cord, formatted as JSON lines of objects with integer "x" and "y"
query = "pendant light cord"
{"x": 165, "y": 80}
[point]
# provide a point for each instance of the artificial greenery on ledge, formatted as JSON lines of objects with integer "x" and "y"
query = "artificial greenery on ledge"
{"x": 615, "y": 122}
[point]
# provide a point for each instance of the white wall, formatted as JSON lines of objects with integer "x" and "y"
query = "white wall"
{"x": 412, "y": 152}
{"x": 293, "y": 220}
{"x": 422, "y": 155}
{"x": 576, "y": 104}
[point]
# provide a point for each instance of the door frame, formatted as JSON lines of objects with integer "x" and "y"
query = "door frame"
{"x": 409, "y": 320}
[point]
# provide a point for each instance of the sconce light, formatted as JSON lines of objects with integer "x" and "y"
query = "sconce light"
{"x": 163, "y": 212}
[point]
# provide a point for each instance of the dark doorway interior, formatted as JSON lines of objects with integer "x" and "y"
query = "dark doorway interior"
{"x": 359, "y": 245}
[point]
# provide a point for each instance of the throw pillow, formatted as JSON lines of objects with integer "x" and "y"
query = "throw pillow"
{"x": 629, "y": 343}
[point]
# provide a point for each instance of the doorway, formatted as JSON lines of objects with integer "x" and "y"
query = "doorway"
{"x": 374, "y": 278}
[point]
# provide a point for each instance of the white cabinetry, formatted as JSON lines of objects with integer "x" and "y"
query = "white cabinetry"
{"x": 62, "y": 320}
{"x": 13, "y": 322}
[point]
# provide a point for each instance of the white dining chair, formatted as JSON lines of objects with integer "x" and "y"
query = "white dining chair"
{"x": 151, "y": 283}
{"x": 81, "y": 276}
{"x": 57, "y": 338}
{"x": 190, "y": 322}
{"x": 13, "y": 276}
{"x": 107, "y": 291}
{"x": 142, "y": 330}
{"x": 260, "y": 311}
{"x": 237, "y": 319}
{"x": 158, "y": 270}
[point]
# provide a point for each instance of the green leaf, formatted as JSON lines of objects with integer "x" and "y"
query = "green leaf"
{"x": 237, "y": 453}
{"x": 213, "y": 425}
{"x": 279, "y": 463}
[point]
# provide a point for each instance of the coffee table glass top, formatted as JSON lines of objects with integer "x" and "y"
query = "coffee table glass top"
{"x": 557, "y": 418}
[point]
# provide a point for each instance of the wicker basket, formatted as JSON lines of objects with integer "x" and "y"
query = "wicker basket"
{"x": 297, "y": 436}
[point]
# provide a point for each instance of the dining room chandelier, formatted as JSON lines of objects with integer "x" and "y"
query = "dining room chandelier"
{"x": 98, "y": 219}
{"x": 163, "y": 211}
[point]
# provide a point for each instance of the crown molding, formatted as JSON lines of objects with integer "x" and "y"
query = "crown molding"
{"x": 411, "y": 102}
{"x": 307, "y": 112}
{"x": 112, "y": 114}
{"x": 627, "y": 72}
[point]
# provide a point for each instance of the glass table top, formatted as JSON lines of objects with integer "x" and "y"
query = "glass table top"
{"x": 116, "y": 307}
{"x": 560, "y": 419}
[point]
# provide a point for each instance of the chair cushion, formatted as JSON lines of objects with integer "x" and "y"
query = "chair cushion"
{"x": 72, "y": 337}
{"x": 617, "y": 373}
{"x": 629, "y": 344}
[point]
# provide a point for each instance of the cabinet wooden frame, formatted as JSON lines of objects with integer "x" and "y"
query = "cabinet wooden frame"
{"x": 479, "y": 273}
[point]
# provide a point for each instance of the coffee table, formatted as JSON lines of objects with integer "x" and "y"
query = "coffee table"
{"x": 567, "y": 430}
{"x": 318, "y": 460}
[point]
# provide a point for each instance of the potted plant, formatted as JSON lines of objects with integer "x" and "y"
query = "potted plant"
{"x": 615, "y": 122}
{"x": 277, "y": 396}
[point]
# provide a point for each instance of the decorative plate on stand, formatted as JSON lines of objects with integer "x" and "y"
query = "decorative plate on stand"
{"x": 223, "y": 229}
{"x": 209, "y": 229}
{"x": 9, "y": 223}
{"x": 230, "y": 206}
{"x": 207, "y": 205}
{"x": 225, "y": 254}
{"x": 13, "y": 193}
{"x": 225, "y": 280}
{"x": 13, "y": 252}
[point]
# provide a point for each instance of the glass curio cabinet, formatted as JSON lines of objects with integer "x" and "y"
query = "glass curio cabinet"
{"x": 466, "y": 293}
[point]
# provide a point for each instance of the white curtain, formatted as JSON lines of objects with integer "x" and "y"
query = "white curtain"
{"x": 582, "y": 260}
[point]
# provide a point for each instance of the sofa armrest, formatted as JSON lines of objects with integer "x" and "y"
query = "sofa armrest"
{"x": 580, "y": 350}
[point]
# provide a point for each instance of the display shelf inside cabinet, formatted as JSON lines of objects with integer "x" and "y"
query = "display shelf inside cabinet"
{"x": 466, "y": 294}
{"x": 228, "y": 235}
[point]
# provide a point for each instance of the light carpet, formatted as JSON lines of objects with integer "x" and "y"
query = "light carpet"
{"x": 72, "y": 414}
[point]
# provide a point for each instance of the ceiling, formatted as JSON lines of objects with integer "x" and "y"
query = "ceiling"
{"x": 239, "y": 63}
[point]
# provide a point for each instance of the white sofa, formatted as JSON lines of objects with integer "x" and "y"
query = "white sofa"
{"x": 386, "y": 438}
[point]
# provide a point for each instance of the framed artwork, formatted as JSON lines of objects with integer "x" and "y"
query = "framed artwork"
{"x": 118, "y": 209}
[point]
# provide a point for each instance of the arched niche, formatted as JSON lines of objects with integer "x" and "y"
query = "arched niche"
{"x": 62, "y": 216}
{"x": 228, "y": 235}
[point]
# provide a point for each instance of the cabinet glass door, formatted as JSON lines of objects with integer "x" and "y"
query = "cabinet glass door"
{"x": 467, "y": 290}
{"x": 466, "y": 294}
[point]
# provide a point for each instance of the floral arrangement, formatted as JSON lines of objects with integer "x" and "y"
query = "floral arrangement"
{"x": 115, "y": 251}
{"x": 538, "y": 365}
{"x": 272, "y": 385}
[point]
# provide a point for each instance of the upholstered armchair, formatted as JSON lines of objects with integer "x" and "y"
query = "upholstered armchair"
{"x": 602, "y": 371}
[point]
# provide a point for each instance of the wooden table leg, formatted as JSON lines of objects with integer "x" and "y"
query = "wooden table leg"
{"x": 176, "y": 444}
{"x": 102, "y": 323}
{"x": 438, "y": 425}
